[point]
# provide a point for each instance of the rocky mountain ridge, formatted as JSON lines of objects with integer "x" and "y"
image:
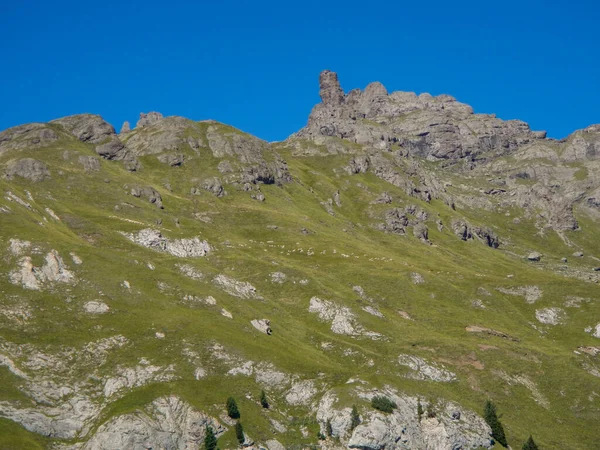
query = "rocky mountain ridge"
{"x": 398, "y": 245}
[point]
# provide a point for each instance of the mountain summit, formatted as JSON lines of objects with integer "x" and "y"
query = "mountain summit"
{"x": 401, "y": 273}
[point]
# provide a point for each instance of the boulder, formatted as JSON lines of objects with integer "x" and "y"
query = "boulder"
{"x": 89, "y": 128}
{"x": 28, "y": 168}
{"x": 534, "y": 256}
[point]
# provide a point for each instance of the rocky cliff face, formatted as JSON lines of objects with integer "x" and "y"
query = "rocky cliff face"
{"x": 399, "y": 245}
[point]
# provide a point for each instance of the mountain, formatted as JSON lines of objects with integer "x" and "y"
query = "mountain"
{"x": 397, "y": 246}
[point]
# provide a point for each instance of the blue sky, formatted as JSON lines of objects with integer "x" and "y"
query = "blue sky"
{"x": 255, "y": 64}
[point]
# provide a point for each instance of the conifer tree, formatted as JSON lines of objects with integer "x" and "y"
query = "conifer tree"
{"x": 232, "y": 408}
{"x": 354, "y": 418}
{"x": 328, "y": 428}
{"x": 263, "y": 400}
{"x": 239, "y": 432}
{"x": 530, "y": 444}
{"x": 491, "y": 417}
{"x": 419, "y": 409}
{"x": 210, "y": 440}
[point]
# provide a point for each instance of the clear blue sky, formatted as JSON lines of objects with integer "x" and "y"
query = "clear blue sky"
{"x": 255, "y": 64}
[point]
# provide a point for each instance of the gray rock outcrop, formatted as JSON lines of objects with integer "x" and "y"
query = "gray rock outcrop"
{"x": 182, "y": 248}
{"x": 28, "y": 168}
{"x": 89, "y": 128}
{"x": 148, "y": 119}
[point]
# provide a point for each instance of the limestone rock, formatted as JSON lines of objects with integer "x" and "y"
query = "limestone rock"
{"x": 149, "y": 193}
{"x": 534, "y": 256}
{"x": 96, "y": 307}
{"x": 32, "y": 135}
{"x": 550, "y": 316}
{"x": 125, "y": 128}
{"x": 262, "y": 325}
{"x": 182, "y": 248}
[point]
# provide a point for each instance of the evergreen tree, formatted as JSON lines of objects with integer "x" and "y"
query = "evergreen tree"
{"x": 232, "y": 408}
{"x": 328, "y": 428}
{"x": 354, "y": 418}
{"x": 530, "y": 444}
{"x": 383, "y": 404}
{"x": 210, "y": 440}
{"x": 419, "y": 409}
{"x": 239, "y": 432}
{"x": 491, "y": 417}
{"x": 430, "y": 410}
{"x": 263, "y": 400}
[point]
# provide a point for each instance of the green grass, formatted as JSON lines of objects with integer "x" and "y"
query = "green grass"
{"x": 454, "y": 271}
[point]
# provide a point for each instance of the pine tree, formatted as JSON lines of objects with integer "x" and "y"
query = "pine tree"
{"x": 232, "y": 409}
{"x": 530, "y": 444}
{"x": 354, "y": 418}
{"x": 328, "y": 428}
{"x": 210, "y": 440}
{"x": 491, "y": 417}
{"x": 419, "y": 409}
{"x": 239, "y": 432}
{"x": 263, "y": 400}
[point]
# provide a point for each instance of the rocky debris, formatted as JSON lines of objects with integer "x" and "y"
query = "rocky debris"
{"x": 172, "y": 159}
{"x": 52, "y": 271}
{"x": 550, "y": 316}
{"x": 596, "y": 331}
{"x": 337, "y": 199}
{"x": 465, "y": 231}
{"x": 534, "y": 256}
{"x": 17, "y": 247}
{"x": 240, "y": 289}
{"x": 212, "y": 185}
{"x": 358, "y": 164}
{"x": 168, "y": 423}
{"x": 259, "y": 196}
{"x": 182, "y": 248}
{"x": 578, "y": 254}
{"x": 278, "y": 277}
{"x": 420, "y": 231}
{"x": 28, "y": 168}
{"x": 373, "y": 311}
{"x": 384, "y": 199}
{"x": 190, "y": 271}
{"x": 148, "y": 119}
{"x": 343, "y": 321}
{"x": 209, "y": 301}
{"x": 489, "y": 331}
{"x": 226, "y": 313}
{"x": 89, "y": 128}
{"x": 262, "y": 325}
{"x": 404, "y": 315}
{"x": 417, "y": 278}
{"x": 125, "y": 128}
{"x": 396, "y": 221}
{"x": 328, "y": 205}
{"x": 96, "y": 307}
{"x": 593, "y": 351}
{"x": 89, "y": 163}
{"x": 301, "y": 392}
{"x": 531, "y": 293}
{"x": 273, "y": 444}
{"x": 32, "y": 135}
{"x": 149, "y": 193}
{"x": 425, "y": 371}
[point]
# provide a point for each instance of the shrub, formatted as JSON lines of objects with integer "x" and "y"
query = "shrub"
{"x": 232, "y": 409}
{"x": 419, "y": 409}
{"x": 530, "y": 444}
{"x": 263, "y": 400}
{"x": 239, "y": 432}
{"x": 430, "y": 411}
{"x": 354, "y": 418}
{"x": 491, "y": 417}
{"x": 328, "y": 428}
{"x": 210, "y": 440}
{"x": 383, "y": 404}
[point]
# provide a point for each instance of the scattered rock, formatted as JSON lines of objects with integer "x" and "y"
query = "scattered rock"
{"x": 550, "y": 316}
{"x": 534, "y": 256}
{"x": 96, "y": 307}
{"x": 422, "y": 370}
{"x": 182, "y": 248}
{"x": 262, "y": 325}
{"x": 240, "y": 289}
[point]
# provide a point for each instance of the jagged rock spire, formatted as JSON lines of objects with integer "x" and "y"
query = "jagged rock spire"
{"x": 330, "y": 91}
{"x": 148, "y": 119}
